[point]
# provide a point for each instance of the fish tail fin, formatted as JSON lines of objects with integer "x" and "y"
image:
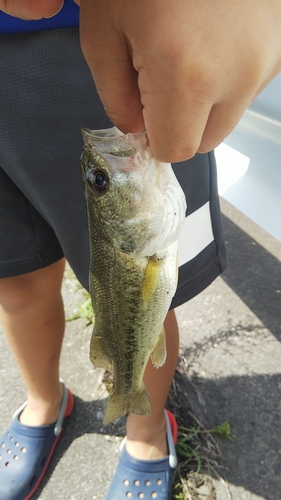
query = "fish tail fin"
{"x": 119, "y": 405}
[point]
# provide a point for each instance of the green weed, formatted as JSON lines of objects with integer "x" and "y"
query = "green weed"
{"x": 196, "y": 448}
{"x": 84, "y": 310}
{"x": 84, "y": 304}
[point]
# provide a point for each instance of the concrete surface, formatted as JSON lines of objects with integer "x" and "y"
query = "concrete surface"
{"x": 230, "y": 348}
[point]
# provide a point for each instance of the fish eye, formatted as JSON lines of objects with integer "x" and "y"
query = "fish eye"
{"x": 98, "y": 179}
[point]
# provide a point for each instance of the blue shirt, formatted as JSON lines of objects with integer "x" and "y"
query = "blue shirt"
{"x": 68, "y": 17}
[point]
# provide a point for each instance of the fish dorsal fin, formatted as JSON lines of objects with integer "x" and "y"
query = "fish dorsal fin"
{"x": 97, "y": 354}
{"x": 151, "y": 277}
{"x": 159, "y": 353}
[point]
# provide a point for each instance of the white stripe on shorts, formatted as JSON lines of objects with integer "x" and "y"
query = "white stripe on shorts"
{"x": 196, "y": 234}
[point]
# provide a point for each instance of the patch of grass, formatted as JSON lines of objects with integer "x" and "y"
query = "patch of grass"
{"x": 224, "y": 430}
{"x": 84, "y": 304}
{"x": 194, "y": 449}
{"x": 84, "y": 310}
{"x": 199, "y": 455}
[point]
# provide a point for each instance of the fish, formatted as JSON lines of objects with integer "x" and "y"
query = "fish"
{"x": 136, "y": 209}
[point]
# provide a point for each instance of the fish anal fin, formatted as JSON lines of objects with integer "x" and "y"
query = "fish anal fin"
{"x": 151, "y": 277}
{"x": 159, "y": 353}
{"x": 119, "y": 405}
{"x": 97, "y": 354}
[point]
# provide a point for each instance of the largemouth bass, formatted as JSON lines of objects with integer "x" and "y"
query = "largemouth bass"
{"x": 136, "y": 208}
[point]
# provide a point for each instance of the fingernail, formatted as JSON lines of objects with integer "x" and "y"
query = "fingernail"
{"x": 49, "y": 17}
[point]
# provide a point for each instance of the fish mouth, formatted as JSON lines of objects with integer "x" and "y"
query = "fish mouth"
{"x": 114, "y": 142}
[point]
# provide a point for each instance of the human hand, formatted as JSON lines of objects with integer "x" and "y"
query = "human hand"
{"x": 31, "y": 9}
{"x": 185, "y": 70}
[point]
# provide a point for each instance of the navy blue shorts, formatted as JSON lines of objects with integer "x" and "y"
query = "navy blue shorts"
{"x": 47, "y": 95}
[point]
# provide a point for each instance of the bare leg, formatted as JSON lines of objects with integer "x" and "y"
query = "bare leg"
{"x": 32, "y": 317}
{"x": 146, "y": 436}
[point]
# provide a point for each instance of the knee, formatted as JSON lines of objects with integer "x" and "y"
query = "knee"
{"x": 17, "y": 291}
{"x": 22, "y": 291}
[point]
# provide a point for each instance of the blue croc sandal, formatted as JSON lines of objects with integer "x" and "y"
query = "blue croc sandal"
{"x": 25, "y": 452}
{"x": 146, "y": 479}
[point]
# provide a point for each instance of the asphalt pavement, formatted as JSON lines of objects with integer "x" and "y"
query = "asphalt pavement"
{"x": 231, "y": 371}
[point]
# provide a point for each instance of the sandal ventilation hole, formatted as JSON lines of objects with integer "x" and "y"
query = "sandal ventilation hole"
{"x": 129, "y": 494}
{"x": 154, "y": 494}
{"x": 17, "y": 444}
{"x": 23, "y": 450}
{"x": 9, "y": 452}
{"x": 126, "y": 482}
{"x": 159, "y": 481}
{"x": 141, "y": 495}
{"x": 7, "y": 464}
{"x": 147, "y": 483}
{"x": 3, "y": 445}
{"x": 136, "y": 482}
{"x": 16, "y": 457}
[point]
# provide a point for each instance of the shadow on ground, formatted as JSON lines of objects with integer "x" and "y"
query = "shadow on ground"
{"x": 85, "y": 419}
{"x": 254, "y": 275}
{"x": 252, "y": 405}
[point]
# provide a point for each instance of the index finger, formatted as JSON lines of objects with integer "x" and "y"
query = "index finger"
{"x": 175, "y": 114}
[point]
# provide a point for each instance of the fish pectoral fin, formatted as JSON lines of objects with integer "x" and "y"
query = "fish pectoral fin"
{"x": 97, "y": 354}
{"x": 151, "y": 277}
{"x": 119, "y": 405}
{"x": 159, "y": 353}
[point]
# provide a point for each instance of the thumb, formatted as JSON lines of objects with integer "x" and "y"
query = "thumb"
{"x": 107, "y": 54}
